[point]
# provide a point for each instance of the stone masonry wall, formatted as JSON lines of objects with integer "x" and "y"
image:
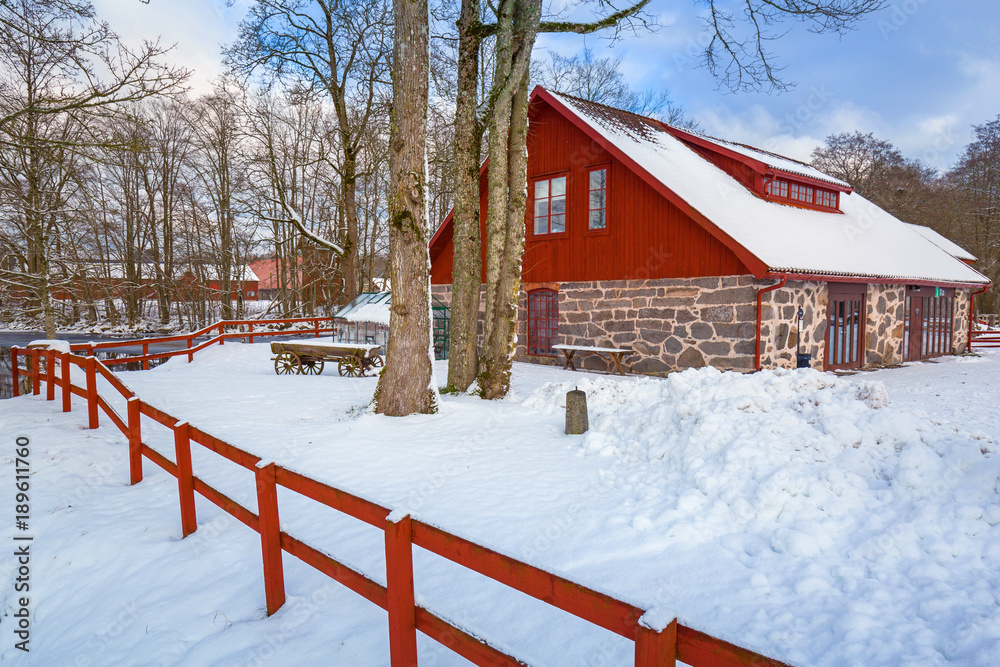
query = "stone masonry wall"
{"x": 780, "y": 339}
{"x": 886, "y": 306}
{"x": 960, "y": 323}
{"x": 674, "y": 324}
{"x": 670, "y": 324}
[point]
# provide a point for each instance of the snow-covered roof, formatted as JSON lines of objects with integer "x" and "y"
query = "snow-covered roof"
{"x": 772, "y": 160}
{"x": 944, "y": 243}
{"x": 368, "y": 307}
{"x": 864, "y": 241}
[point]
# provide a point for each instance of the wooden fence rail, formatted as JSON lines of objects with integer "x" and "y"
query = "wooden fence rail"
{"x": 654, "y": 644}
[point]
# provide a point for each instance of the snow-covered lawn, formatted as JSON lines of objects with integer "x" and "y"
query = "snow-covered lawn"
{"x": 820, "y": 520}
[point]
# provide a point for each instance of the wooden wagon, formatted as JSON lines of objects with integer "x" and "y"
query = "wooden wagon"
{"x": 308, "y": 357}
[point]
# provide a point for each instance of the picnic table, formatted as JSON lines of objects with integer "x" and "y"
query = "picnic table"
{"x": 612, "y": 354}
{"x": 308, "y": 357}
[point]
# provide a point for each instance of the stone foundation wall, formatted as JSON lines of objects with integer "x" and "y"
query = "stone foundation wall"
{"x": 674, "y": 324}
{"x": 780, "y": 336}
{"x": 886, "y": 306}
{"x": 670, "y": 324}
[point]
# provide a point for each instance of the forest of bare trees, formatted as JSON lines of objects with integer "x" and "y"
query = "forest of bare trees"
{"x": 118, "y": 186}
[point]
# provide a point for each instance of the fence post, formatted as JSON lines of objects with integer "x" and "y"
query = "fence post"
{"x": 190, "y": 342}
{"x": 134, "y": 440}
{"x": 92, "y": 392}
{"x": 317, "y": 327}
{"x": 251, "y": 332}
{"x": 145, "y": 351}
{"x": 222, "y": 330}
{"x": 185, "y": 477}
{"x": 270, "y": 536}
{"x": 50, "y": 375}
{"x": 35, "y": 364}
{"x": 656, "y": 649}
{"x": 15, "y": 371}
{"x": 399, "y": 585}
{"x": 67, "y": 383}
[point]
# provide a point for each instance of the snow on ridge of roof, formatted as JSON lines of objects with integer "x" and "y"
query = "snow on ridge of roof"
{"x": 943, "y": 242}
{"x": 637, "y": 122}
{"x": 771, "y": 159}
{"x": 368, "y": 307}
{"x": 863, "y": 240}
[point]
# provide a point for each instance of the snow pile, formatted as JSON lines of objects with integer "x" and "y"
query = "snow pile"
{"x": 832, "y": 498}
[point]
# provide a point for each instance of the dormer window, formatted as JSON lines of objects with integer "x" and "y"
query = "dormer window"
{"x": 801, "y": 194}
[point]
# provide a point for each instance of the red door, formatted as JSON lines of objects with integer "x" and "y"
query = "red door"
{"x": 927, "y": 331}
{"x": 845, "y": 329}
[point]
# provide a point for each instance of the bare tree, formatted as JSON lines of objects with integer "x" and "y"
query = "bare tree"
{"x": 341, "y": 47}
{"x": 219, "y": 166}
{"x": 406, "y": 384}
{"x": 59, "y": 68}
{"x": 977, "y": 179}
{"x": 601, "y": 80}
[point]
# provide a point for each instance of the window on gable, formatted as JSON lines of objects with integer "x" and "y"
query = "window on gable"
{"x": 550, "y": 205}
{"x": 598, "y": 211}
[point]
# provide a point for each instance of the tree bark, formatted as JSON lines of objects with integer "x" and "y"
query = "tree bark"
{"x": 466, "y": 276}
{"x": 517, "y": 22}
{"x": 406, "y": 384}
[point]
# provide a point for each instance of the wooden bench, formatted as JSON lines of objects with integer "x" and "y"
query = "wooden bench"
{"x": 612, "y": 354}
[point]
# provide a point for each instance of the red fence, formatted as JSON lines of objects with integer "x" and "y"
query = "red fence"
{"x": 989, "y": 337}
{"x": 221, "y": 338}
{"x": 652, "y": 646}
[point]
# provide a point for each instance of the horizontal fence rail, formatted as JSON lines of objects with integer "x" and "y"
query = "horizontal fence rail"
{"x": 654, "y": 645}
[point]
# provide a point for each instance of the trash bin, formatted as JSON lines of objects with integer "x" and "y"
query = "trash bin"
{"x": 804, "y": 361}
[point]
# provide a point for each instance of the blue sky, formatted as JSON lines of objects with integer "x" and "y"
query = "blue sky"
{"x": 919, "y": 73}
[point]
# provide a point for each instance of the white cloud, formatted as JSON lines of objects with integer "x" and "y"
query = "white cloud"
{"x": 197, "y": 27}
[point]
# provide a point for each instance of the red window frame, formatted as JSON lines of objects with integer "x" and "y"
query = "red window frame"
{"x": 539, "y": 214}
{"x": 801, "y": 194}
{"x": 601, "y": 198}
{"x": 543, "y": 322}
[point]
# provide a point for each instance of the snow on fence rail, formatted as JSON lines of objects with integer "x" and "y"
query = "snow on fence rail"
{"x": 988, "y": 335}
{"x": 657, "y": 641}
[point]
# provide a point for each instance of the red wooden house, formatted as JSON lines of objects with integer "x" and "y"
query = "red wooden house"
{"x": 697, "y": 251}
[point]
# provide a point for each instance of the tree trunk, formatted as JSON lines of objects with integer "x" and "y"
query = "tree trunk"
{"x": 349, "y": 189}
{"x": 406, "y": 384}
{"x": 517, "y": 22}
{"x": 466, "y": 276}
{"x": 499, "y": 347}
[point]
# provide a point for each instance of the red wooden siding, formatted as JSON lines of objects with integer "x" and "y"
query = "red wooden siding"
{"x": 738, "y": 170}
{"x": 646, "y": 235}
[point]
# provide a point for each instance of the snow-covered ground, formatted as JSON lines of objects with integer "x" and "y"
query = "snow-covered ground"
{"x": 817, "y": 519}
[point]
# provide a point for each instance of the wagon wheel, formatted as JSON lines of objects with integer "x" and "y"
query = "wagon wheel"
{"x": 312, "y": 367}
{"x": 287, "y": 363}
{"x": 349, "y": 366}
{"x": 375, "y": 361}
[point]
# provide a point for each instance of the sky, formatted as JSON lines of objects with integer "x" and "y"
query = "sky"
{"x": 919, "y": 73}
